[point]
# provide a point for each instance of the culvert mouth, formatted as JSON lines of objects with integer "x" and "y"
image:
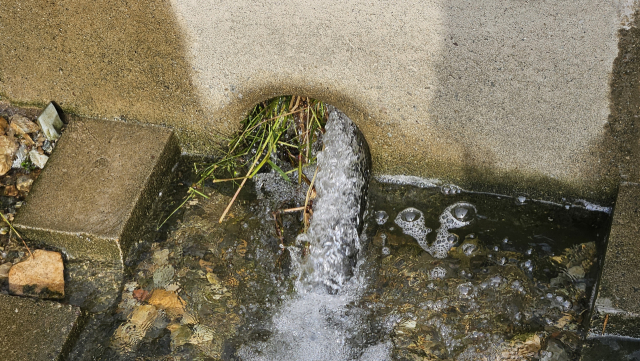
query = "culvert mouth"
{"x": 492, "y": 275}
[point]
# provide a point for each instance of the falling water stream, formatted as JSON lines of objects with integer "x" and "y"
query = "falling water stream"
{"x": 394, "y": 268}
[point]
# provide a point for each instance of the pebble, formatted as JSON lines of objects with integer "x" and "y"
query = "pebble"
{"x": 20, "y": 156}
{"x": 23, "y": 125}
{"x": 576, "y": 272}
{"x": 41, "y": 276}
{"x": 39, "y": 160}
{"x": 23, "y": 183}
{"x": 8, "y": 148}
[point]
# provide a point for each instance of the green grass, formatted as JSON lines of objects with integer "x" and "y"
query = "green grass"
{"x": 284, "y": 128}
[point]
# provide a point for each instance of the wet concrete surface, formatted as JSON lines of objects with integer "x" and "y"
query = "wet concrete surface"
{"x": 616, "y": 308}
{"x": 36, "y": 330}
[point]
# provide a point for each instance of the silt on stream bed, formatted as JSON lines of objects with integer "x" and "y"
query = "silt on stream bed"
{"x": 514, "y": 286}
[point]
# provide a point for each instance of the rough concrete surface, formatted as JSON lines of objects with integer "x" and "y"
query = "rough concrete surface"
{"x": 97, "y": 187}
{"x": 491, "y": 91}
{"x": 618, "y": 289}
{"x": 35, "y": 330}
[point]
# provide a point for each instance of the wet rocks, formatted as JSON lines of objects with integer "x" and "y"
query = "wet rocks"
{"x": 24, "y": 182}
{"x": 41, "y": 276}
{"x": 8, "y": 148}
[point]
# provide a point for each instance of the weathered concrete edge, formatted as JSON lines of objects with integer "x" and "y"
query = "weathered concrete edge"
{"x": 614, "y": 322}
{"x": 98, "y": 248}
{"x": 72, "y": 336}
{"x": 157, "y": 180}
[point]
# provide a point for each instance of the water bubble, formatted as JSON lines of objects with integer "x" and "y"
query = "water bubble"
{"x": 466, "y": 289}
{"x": 495, "y": 281}
{"x": 549, "y": 296}
{"x": 386, "y": 251}
{"x": 468, "y": 248}
{"x": 521, "y": 199}
{"x": 471, "y": 236}
{"x": 381, "y": 217}
{"x": 505, "y": 240}
{"x": 529, "y": 252}
{"x": 567, "y": 305}
{"x": 437, "y": 273}
{"x": 463, "y": 212}
{"x": 496, "y": 248}
{"x": 411, "y": 221}
{"x": 410, "y": 216}
{"x": 502, "y": 261}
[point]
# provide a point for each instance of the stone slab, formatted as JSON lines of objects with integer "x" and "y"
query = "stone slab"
{"x": 33, "y": 330}
{"x": 97, "y": 188}
{"x": 617, "y": 294}
{"x": 491, "y": 91}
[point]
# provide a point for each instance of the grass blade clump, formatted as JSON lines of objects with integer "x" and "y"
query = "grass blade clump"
{"x": 280, "y": 130}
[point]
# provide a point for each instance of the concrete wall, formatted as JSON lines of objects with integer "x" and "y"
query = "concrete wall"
{"x": 513, "y": 93}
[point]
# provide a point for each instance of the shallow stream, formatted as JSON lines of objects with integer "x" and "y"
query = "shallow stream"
{"x": 431, "y": 272}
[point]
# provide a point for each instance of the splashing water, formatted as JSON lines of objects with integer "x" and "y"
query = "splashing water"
{"x": 319, "y": 323}
{"x": 333, "y": 235}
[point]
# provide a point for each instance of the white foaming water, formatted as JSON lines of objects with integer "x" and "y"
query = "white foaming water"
{"x": 456, "y": 215}
{"x": 341, "y": 184}
{"x": 320, "y": 322}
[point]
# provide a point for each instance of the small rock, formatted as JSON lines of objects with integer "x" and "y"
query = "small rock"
{"x": 23, "y": 183}
{"x": 8, "y": 148}
{"x": 41, "y": 275}
{"x": 576, "y": 272}
{"x": 20, "y": 156}
{"x": 39, "y": 160}
{"x": 11, "y": 191}
{"x": 4, "y": 270}
{"x": 50, "y": 122}
{"x": 168, "y": 301}
{"x": 3, "y": 124}
{"x": 140, "y": 295}
{"x": 23, "y": 125}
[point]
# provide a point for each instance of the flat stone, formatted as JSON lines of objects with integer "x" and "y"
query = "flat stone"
{"x": 36, "y": 330}
{"x": 23, "y": 124}
{"x": 4, "y": 270}
{"x": 97, "y": 188}
{"x": 41, "y": 276}
{"x": 617, "y": 300}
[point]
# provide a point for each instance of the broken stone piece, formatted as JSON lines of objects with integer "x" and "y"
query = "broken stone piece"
{"x": 39, "y": 160}
{"x": 8, "y": 148}
{"x": 3, "y": 124}
{"x": 24, "y": 182}
{"x": 41, "y": 276}
{"x": 50, "y": 122}
{"x": 23, "y": 125}
{"x": 20, "y": 156}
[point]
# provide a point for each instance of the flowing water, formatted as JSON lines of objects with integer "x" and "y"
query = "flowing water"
{"x": 415, "y": 271}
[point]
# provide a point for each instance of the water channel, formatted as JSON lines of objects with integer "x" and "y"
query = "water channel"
{"x": 391, "y": 268}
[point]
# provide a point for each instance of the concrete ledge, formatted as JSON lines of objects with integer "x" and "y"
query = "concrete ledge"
{"x": 36, "y": 330}
{"x": 97, "y": 187}
{"x": 617, "y": 294}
